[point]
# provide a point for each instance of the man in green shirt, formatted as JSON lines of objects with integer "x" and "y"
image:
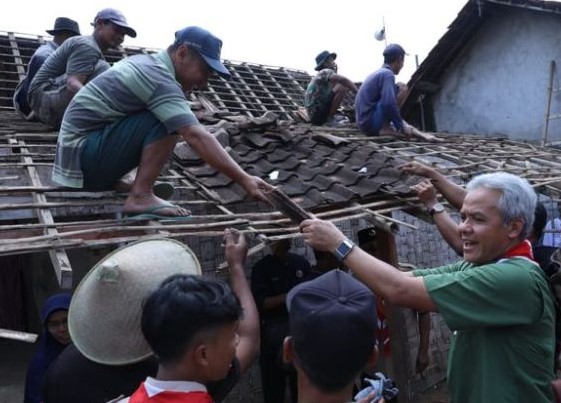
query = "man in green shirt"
{"x": 496, "y": 300}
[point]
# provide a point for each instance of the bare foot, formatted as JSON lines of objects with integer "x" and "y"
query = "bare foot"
{"x": 138, "y": 204}
{"x": 429, "y": 137}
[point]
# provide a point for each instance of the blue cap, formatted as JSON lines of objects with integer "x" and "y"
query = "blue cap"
{"x": 394, "y": 50}
{"x": 322, "y": 57}
{"x": 117, "y": 18}
{"x": 205, "y": 44}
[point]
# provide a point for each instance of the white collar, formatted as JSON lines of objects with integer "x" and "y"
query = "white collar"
{"x": 156, "y": 386}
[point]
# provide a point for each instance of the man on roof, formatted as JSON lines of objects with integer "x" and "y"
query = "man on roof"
{"x": 326, "y": 91}
{"x": 134, "y": 114}
{"x": 379, "y": 98}
{"x": 63, "y": 29}
{"x": 75, "y": 63}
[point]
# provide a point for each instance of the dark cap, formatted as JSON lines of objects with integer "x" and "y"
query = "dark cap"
{"x": 322, "y": 57}
{"x": 205, "y": 44}
{"x": 63, "y": 24}
{"x": 394, "y": 50}
{"x": 333, "y": 327}
{"x": 117, "y": 18}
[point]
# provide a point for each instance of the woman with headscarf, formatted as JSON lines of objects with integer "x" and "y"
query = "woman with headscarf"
{"x": 53, "y": 339}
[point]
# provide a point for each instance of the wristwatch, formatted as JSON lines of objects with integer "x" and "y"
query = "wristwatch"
{"x": 344, "y": 248}
{"x": 437, "y": 208}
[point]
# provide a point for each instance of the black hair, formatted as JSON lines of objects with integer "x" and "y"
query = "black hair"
{"x": 328, "y": 383}
{"x": 540, "y": 220}
{"x": 183, "y": 307}
{"x": 389, "y": 59}
{"x": 174, "y": 46}
{"x": 366, "y": 235}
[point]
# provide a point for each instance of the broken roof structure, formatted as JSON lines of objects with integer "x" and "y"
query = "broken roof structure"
{"x": 336, "y": 173}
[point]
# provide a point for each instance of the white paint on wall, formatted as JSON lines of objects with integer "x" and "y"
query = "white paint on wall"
{"x": 497, "y": 85}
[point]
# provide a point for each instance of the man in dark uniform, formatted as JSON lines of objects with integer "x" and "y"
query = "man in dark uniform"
{"x": 272, "y": 278}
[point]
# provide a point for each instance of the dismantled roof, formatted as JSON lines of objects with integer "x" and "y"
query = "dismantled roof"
{"x": 338, "y": 174}
{"x": 253, "y": 90}
{"x": 459, "y": 34}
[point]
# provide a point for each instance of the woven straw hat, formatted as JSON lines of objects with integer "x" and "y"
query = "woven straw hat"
{"x": 105, "y": 312}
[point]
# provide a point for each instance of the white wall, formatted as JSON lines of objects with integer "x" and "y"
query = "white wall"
{"x": 498, "y": 84}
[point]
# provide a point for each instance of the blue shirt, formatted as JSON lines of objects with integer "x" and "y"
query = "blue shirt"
{"x": 36, "y": 61}
{"x": 378, "y": 90}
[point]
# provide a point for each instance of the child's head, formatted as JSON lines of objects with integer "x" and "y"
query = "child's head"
{"x": 192, "y": 321}
{"x": 332, "y": 330}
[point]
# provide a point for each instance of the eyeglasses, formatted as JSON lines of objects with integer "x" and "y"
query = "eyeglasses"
{"x": 55, "y": 324}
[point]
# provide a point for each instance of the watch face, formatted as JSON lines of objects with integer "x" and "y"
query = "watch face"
{"x": 437, "y": 208}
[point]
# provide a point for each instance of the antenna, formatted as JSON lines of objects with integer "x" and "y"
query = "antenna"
{"x": 380, "y": 34}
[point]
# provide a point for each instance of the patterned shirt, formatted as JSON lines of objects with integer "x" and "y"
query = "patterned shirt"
{"x": 318, "y": 92}
{"x": 135, "y": 84}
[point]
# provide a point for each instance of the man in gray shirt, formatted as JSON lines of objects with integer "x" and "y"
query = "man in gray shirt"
{"x": 75, "y": 62}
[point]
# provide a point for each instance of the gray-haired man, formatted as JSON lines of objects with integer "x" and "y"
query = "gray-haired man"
{"x": 496, "y": 300}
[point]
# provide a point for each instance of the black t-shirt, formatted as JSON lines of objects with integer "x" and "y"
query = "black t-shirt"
{"x": 73, "y": 378}
{"x": 273, "y": 276}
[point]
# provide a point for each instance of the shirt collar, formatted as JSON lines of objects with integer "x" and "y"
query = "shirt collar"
{"x": 164, "y": 57}
{"x": 156, "y": 386}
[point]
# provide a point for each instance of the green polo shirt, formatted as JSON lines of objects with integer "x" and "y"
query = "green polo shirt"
{"x": 502, "y": 318}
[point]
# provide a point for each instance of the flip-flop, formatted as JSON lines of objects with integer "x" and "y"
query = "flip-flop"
{"x": 151, "y": 214}
{"x": 163, "y": 190}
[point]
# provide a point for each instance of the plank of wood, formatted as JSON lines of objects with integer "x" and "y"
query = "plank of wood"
{"x": 59, "y": 258}
{"x": 20, "y": 336}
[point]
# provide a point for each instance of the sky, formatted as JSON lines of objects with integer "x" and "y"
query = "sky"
{"x": 289, "y": 33}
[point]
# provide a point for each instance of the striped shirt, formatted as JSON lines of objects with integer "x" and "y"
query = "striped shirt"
{"x": 133, "y": 85}
{"x": 77, "y": 55}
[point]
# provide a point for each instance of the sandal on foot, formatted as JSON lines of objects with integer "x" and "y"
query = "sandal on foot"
{"x": 151, "y": 213}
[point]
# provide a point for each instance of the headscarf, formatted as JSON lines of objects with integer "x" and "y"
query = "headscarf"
{"x": 47, "y": 350}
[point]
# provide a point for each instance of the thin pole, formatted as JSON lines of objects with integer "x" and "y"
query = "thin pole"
{"x": 548, "y": 102}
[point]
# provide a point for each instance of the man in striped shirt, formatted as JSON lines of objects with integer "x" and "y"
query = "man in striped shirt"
{"x": 133, "y": 115}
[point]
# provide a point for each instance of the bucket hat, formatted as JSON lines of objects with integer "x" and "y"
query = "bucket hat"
{"x": 105, "y": 312}
{"x": 63, "y": 24}
{"x": 322, "y": 57}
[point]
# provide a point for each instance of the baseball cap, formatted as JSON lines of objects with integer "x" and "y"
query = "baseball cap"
{"x": 205, "y": 44}
{"x": 393, "y": 50}
{"x": 117, "y": 18}
{"x": 63, "y": 24}
{"x": 322, "y": 57}
{"x": 333, "y": 327}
